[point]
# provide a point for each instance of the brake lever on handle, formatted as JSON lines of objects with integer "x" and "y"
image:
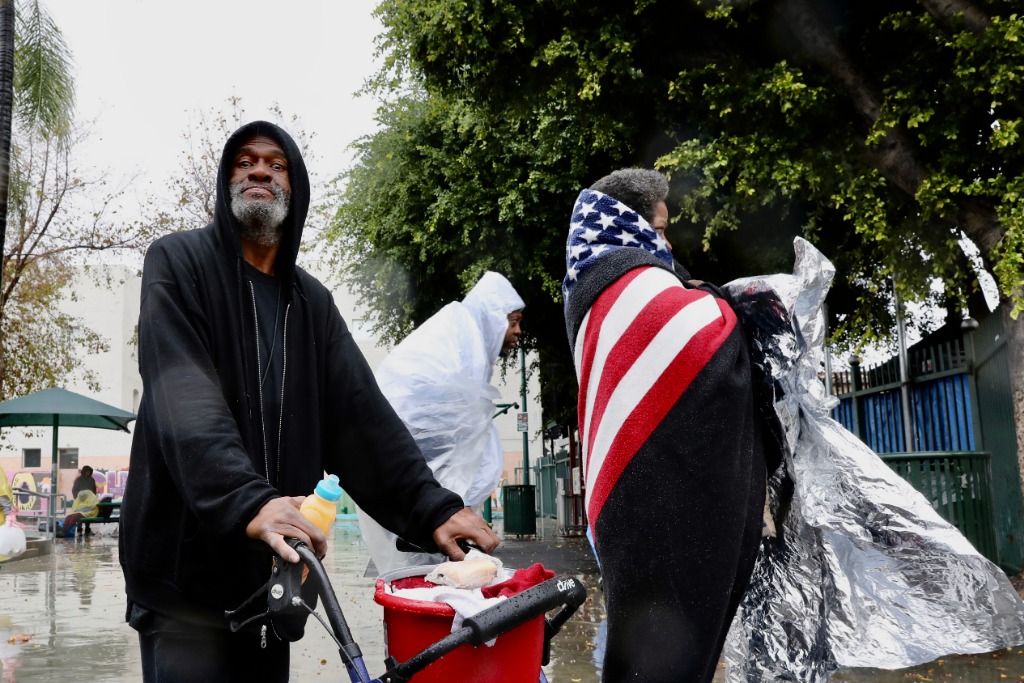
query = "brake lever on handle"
{"x": 350, "y": 652}
{"x": 281, "y": 590}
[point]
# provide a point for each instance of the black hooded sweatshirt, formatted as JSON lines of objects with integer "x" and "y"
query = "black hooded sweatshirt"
{"x": 199, "y": 469}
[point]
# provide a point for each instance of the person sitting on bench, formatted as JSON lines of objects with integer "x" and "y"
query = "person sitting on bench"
{"x": 86, "y": 505}
{"x": 84, "y": 480}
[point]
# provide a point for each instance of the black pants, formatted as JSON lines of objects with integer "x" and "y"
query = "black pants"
{"x": 182, "y": 652}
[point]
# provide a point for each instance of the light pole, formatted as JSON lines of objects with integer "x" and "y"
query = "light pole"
{"x": 524, "y": 420}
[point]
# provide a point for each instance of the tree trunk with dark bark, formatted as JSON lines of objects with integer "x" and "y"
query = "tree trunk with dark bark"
{"x": 1014, "y": 330}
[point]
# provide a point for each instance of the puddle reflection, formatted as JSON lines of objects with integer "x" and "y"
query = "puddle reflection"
{"x": 64, "y": 611}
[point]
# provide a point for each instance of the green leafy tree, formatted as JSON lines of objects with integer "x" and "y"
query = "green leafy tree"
{"x": 445, "y": 192}
{"x": 884, "y": 133}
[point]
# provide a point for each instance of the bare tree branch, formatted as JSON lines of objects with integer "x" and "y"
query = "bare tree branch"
{"x": 950, "y": 13}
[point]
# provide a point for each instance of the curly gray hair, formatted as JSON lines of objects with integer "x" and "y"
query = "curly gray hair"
{"x": 638, "y": 188}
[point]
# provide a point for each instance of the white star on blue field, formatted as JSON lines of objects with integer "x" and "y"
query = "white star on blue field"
{"x": 600, "y": 224}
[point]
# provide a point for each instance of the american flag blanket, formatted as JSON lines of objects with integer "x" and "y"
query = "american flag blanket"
{"x": 672, "y": 446}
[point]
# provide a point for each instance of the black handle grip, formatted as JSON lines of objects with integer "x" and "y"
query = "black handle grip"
{"x": 521, "y": 608}
{"x": 404, "y": 546}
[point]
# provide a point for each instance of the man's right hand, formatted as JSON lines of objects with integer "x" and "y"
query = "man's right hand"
{"x": 464, "y": 525}
{"x": 280, "y": 519}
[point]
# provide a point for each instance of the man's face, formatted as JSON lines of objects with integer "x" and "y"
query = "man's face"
{"x": 260, "y": 190}
{"x": 660, "y": 222}
{"x": 513, "y": 332}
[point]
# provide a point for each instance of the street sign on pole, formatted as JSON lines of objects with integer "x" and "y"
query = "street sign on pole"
{"x": 522, "y": 422}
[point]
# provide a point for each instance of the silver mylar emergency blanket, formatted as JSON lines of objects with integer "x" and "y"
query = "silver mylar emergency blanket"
{"x": 864, "y": 573}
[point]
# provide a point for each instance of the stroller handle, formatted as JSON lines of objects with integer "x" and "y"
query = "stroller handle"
{"x": 522, "y": 607}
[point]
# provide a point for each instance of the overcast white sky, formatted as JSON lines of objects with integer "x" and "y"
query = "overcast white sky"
{"x": 144, "y": 67}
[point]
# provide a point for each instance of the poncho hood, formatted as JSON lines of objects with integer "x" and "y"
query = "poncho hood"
{"x": 224, "y": 219}
{"x": 86, "y": 503}
{"x": 489, "y": 302}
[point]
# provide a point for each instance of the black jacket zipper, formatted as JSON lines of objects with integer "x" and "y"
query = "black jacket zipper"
{"x": 259, "y": 385}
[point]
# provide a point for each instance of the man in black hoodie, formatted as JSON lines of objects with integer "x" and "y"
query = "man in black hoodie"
{"x": 253, "y": 387}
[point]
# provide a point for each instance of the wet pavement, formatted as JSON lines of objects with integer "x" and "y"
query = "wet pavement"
{"x": 62, "y": 618}
{"x": 62, "y": 613}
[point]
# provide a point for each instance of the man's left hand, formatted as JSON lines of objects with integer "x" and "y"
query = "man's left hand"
{"x": 464, "y": 525}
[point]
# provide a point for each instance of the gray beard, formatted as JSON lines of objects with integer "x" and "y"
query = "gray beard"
{"x": 260, "y": 221}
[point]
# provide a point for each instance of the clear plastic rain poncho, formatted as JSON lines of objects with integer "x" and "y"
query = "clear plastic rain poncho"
{"x": 864, "y": 573}
{"x": 438, "y": 380}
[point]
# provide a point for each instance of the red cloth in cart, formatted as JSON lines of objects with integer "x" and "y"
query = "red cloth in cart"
{"x": 520, "y": 581}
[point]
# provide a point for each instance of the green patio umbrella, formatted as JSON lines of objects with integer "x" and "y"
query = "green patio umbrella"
{"x": 61, "y": 408}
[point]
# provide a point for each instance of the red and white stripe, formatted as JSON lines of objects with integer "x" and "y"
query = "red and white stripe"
{"x": 638, "y": 349}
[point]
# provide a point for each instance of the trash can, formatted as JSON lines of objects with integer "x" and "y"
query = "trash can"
{"x": 520, "y": 514}
{"x": 411, "y": 626}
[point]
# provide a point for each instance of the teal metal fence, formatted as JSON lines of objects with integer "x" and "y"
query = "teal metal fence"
{"x": 961, "y": 407}
{"x": 957, "y": 484}
{"x": 995, "y": 418}
{"x": 549, "y": 468}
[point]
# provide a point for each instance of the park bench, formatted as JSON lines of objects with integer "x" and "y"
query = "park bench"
{"x": 106, "y": 515}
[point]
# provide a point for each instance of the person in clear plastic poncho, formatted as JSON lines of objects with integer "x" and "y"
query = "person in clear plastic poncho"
{"x": 438, "y": 379}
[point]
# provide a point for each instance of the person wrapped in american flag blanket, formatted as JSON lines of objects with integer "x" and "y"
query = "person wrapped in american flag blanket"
{"x": 672, "y": 438}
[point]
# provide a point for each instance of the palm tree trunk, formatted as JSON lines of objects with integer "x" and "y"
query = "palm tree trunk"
{"x": 7, "y": 14}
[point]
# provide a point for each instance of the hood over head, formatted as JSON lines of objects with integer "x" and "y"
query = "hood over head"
{"x": 600, "y": 225}
{"x": 291, "y": 234}
{"x": 490, "y": 301}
